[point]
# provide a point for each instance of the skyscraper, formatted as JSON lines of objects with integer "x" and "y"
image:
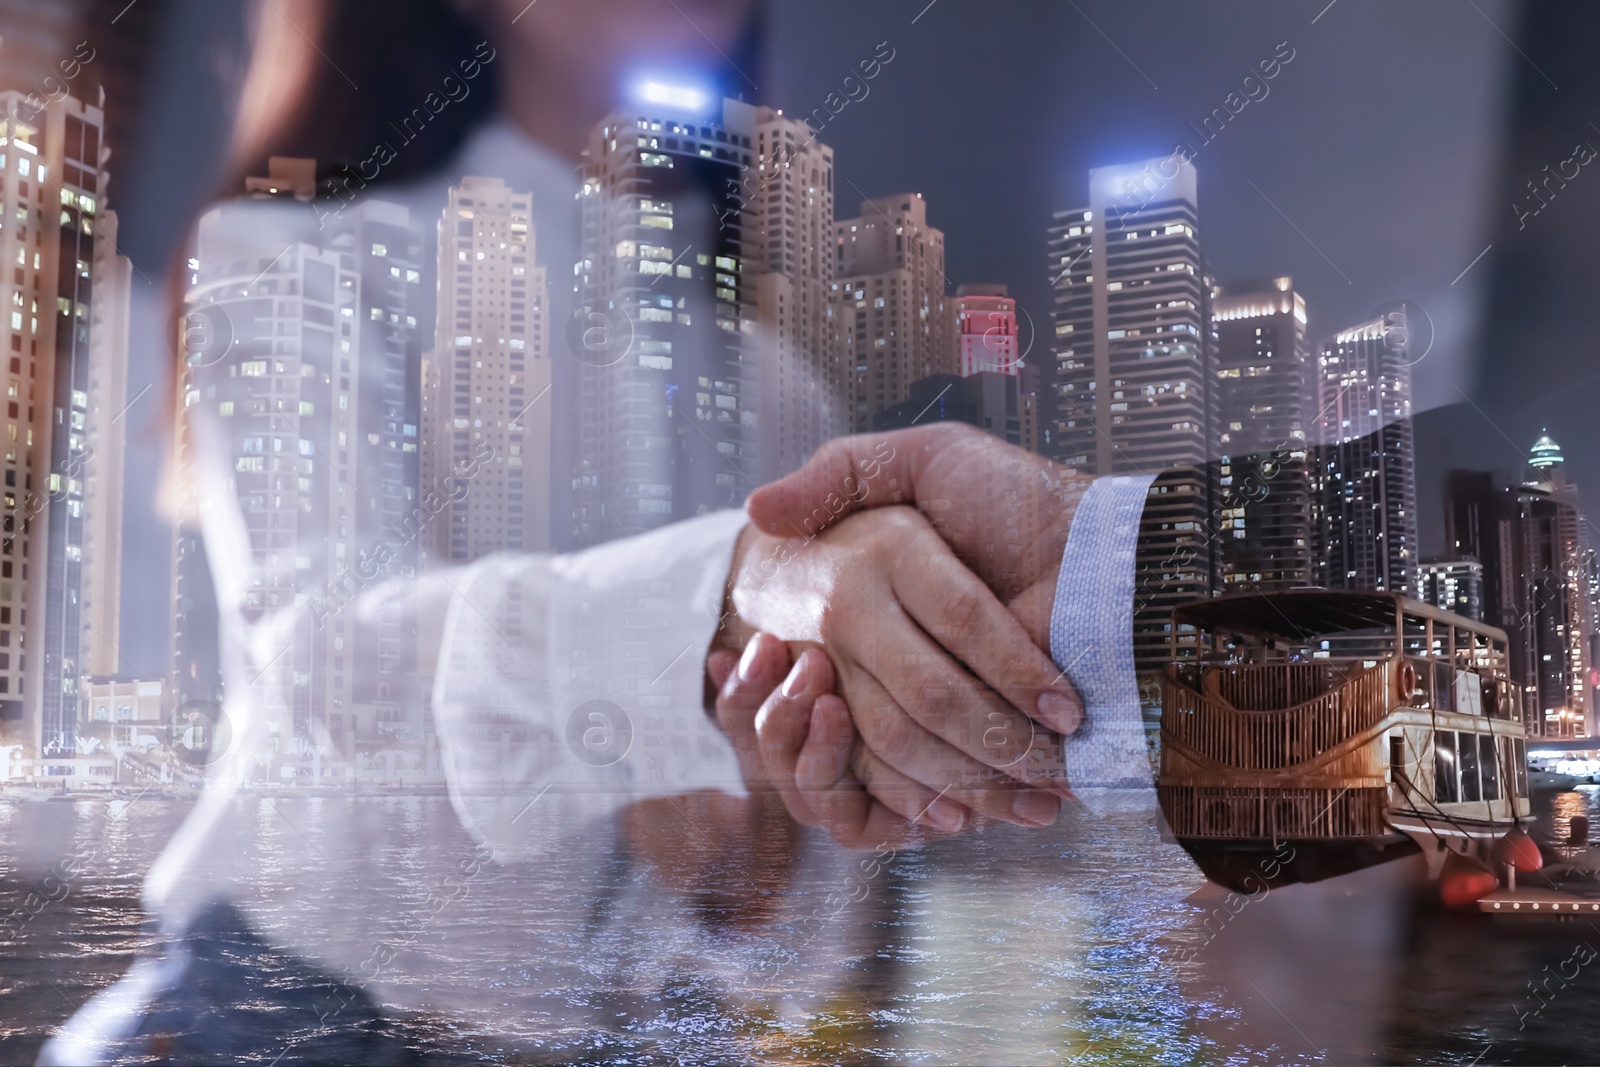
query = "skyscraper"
{"x": 105, "y": 453}
{"x": 1264, "y": 387}
{"x": 1545, "y": 461}
{"x": 1529, "y": 533}
{"x": 52, "y": 197}
{"x": 313, "y": 408}
{"x": 1564, "y": 550}
{"x": 1365, "y": 470}
{"x": 668, "y": 391}
{"x": 986, "y": 330}
{"x": 487, "y": 383}
{"x": 890, "y": 270}
{"x": 1128, "y": 388}
{"x": 787, "y": 221}
{"x": 1028, "y": 402}
{"x": 1452, "y": 584}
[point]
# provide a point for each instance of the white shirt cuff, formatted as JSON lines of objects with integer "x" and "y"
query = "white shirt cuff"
{"x": 574, "y": 685}
{"x": 1091, "y": 640}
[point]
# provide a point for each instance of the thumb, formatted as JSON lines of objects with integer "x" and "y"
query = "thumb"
{"x": 846, "y": 475}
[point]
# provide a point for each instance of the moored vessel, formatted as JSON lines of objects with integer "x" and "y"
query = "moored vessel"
{"x": 1313, "y": 732}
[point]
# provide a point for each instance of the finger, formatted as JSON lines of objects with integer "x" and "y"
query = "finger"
{"x": 952, "y": 711}
{"x": 965, "y": 715}
{"x": 966, "y": 619}
{"x": 911, "y": 800}
{"x": 849, "y": 474}
{"x": 903, "y": 744}
{"x": 844, "y": 808}
{"x": 758, "y": 673}
{"x": 783, "y": 721}
{"x": 781, "y": 746}
{"x": 1033, "y": 606}
{"x": 785, "y": 715}
{"x": 719, "y": 666}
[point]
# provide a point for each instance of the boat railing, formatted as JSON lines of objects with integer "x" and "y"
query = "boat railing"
{"x": 1265, "y": 686}
{"x": 1215, "y": 728}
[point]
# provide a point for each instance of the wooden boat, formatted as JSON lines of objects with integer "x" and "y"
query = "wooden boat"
{"x": 1314, "y": 732}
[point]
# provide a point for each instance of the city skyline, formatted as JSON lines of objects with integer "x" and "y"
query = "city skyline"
{"x": 484, "y": 562}
{"x": 914, "y": 305}
{"x": 1400, "y": 213}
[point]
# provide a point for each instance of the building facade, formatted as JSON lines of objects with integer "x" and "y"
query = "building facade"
{"x": 105, "y": 454}
{"x": 486, "y": 384}
{"x": 668, "y": 391}
{"x": 1128, "y": 387}
{"x": 1452, "y": 584}
{"x": 313, "y": 408}
{"x": 130, "y": 712}
{"x": 787, "y": 220}
{"x": 891, "y": 299}
{"x": 1529, "y": 534}
{"x": 59, "y": 251}
{"x": 1364, "y": 471}
{"x": 1264, "y": 390}
{"x": 985, "y": 331}
{"x": 988, "y": 400}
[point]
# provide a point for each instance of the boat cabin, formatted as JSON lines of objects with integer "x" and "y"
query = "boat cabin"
{"x": 1359, "y": 725}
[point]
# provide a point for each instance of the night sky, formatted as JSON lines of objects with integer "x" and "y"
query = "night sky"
{"x": 1382, "y": 162}
{"x": 1368, "y": 172}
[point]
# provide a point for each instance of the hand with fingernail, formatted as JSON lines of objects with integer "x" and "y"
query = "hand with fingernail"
{"x": 1003, "y": 514}
{"x": 797, "y": 738}
{"x": 930, "y": 664}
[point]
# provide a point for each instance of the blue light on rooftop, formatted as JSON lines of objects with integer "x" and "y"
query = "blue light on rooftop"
{"x": 666, "y": 94}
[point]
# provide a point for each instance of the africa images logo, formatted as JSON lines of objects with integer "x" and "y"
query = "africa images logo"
{"x": 600, "y": 338}
{"x": 599, "y": 733}
{"x": 201, "y": 733}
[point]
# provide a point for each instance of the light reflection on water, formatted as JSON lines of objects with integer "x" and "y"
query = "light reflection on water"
{"x": 1563, "y": 807}
{"x": 1071, "y": 944}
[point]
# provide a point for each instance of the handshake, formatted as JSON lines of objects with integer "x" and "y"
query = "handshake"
{"x": 883, "y": 660}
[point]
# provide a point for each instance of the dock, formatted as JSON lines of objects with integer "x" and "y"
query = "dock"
{"x": 1536, "y": 903}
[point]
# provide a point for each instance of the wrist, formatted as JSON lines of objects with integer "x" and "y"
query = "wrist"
{"x": 733, "y": 632}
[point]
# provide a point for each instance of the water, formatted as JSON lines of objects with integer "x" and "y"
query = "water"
{"x": 700, "y": 932}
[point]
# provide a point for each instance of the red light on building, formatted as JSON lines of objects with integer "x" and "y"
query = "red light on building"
{"x": 986, "y": 330}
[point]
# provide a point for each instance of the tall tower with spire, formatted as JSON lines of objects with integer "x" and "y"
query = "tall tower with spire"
{"x": 1545, "y": 459}
{"x": 1538, "y": 582}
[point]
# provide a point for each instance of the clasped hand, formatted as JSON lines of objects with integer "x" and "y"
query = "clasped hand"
{"x": 884, "y": 667}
